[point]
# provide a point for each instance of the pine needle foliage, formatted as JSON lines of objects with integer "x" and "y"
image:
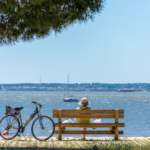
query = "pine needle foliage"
{"x": 25, "y": 20}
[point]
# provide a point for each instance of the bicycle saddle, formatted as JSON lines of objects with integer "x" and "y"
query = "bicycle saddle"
{"x": 18, "y": 108}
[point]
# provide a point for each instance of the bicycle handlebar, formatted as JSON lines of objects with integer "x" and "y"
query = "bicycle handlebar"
{"x": 36, "y": 103}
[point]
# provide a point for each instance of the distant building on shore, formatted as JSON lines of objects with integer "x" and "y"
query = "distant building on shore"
{"x": 129, "y": 90}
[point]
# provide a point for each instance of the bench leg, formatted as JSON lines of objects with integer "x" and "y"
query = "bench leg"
{"x": 59, "y": 133}
{"x": 116, "y": 133}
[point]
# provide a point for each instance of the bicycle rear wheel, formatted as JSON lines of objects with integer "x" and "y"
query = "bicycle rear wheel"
{"x": 43, "y": 128}
{"x": 9, "y": 127}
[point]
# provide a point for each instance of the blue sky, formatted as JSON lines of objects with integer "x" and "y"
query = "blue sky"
{"x": 113, "y": 48}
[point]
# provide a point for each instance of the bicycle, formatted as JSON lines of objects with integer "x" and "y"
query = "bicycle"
{"x": 11, "y": 125}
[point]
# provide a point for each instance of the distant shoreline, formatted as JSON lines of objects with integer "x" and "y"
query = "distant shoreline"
{"x": 70, "y": 91}
{"x": 101, "y": 87}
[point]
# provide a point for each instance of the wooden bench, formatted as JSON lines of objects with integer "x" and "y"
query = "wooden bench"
{"x": 73, "y": 113}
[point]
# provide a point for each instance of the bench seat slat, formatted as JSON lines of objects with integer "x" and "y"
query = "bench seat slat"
{"x": 88, "y": 132}
{"x": 100, "y": 125}
{"x": 88, "y": 116}
{"x": 87, "y": 111}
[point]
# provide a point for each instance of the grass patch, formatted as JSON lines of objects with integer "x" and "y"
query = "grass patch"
{"x": 88, "y": 144}
{"x": 52, "y": 140}
{"x": 145, "y": 136}
{"x": 28, "y": 143}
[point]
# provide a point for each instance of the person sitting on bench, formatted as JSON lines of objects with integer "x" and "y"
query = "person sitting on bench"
{"x": 84, "y": 106}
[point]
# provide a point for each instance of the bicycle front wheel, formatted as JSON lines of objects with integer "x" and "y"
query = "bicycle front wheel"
{"x": 43, "y": 128}
{"x": 9, "y": 127}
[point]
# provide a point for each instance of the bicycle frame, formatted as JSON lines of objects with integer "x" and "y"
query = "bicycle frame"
{"x": 28, "y": 120}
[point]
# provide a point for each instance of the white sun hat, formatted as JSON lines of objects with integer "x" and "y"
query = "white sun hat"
{"x": 84, "y": 102}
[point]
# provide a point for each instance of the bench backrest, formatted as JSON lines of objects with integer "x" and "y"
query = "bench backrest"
{"x": 73, "y": 113}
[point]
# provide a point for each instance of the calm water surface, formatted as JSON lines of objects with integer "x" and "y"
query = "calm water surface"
{"x": 135, "y": 104}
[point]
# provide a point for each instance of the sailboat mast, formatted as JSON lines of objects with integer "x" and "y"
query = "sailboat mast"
{"x": 67, "y": 85}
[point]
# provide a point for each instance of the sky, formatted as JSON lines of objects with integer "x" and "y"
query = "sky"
{"x": 113, "y": 48}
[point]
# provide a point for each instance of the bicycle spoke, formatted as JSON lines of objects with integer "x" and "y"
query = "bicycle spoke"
{"x": 43, "y": 128}
{"x": 9, "y": 127}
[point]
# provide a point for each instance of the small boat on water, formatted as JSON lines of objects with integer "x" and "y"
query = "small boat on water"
{"x": 71, "y": 97}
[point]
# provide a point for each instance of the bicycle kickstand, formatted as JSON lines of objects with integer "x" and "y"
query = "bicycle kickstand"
{"x": 24, "y": 136}
{"x": 21, "y": 132}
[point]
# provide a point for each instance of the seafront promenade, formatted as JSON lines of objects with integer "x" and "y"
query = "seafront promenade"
{"x": 96, "y": 143}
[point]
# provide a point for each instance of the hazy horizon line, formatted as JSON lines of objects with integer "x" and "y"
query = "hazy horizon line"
{"x": 77, "y": 83}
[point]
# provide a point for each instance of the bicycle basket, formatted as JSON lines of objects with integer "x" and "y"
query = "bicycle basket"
{"x": 11, "y": 110}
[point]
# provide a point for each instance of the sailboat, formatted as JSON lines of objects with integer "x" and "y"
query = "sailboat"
{"x": 69, "y": 98}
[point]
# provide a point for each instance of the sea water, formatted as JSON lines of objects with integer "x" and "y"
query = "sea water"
{"x": 136, "y": 107}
